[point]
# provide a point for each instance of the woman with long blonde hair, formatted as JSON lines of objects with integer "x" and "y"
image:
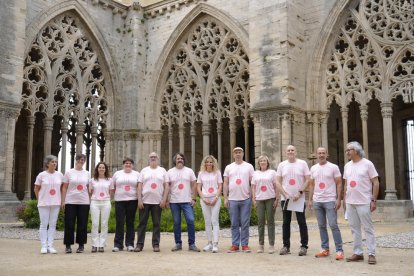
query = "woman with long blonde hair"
{"x": 209, "y": 187}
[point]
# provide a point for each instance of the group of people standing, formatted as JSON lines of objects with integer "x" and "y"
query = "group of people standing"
{"x": 154, "y": 189}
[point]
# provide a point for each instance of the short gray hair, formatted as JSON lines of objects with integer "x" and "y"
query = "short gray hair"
{"x": 47, "y": 159}
{"x": 358, "y": 148}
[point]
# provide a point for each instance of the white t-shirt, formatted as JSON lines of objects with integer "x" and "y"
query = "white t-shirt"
{"x": 49, "y": 194}
{"x": 77, "y": 192}
{"x": 126, "y": 185}
{"x": 264, "y": 184}
{"x": 180, "y": 184}
{"x": 153, "y": 184}
{"x": 100, "y": 188}
{"x": 324, "y": 177}
{"x": 293, "y": 175}
{"x": 209, "y": 183}
{"x": 239, "y": 180}
{"x": 358, "y": 177}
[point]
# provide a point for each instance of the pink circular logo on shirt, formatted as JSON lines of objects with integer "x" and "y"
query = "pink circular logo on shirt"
{"x": 263, "y": 188}
{"x": 352, "y": 184}
{"x": 101, "y": 194}
{"x": 321, "y": 185}
{"x": 52, "y": 192}
{"x": 238, "y": 181}
{"x": 79, "y": 187}
{"x": 154, "y": 186}
{"x": 127, "y": 188}
{"x": 181, "y": 186}
{"x": 211, "y": 190}
{"x": 292, "y": 181}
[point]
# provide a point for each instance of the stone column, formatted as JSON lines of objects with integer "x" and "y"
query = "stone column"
{"x": 364, "y": 119}
{"x": 390, "y": 192}
{"x": 286, "y": 133}
{"x": 206, "y": 139}
{"x": 181, "y": 133}
{"x": 233, "y": 130}
{"x": 64, "y": 131}
{"x": 315, "y": 132}
{"x": 80, "y": 130}
{"x": 246, "y": 139}
{"x": 170, "y": 145}
{"x": 324, "y": 129}
{"x": 219, "y": 148}
{"x": 47, "y": 142}
{"x": 192, "y": 134}
{"x": 94, "y": 134}
{"x": 30, "y": 127}
{"x": 344, "y": 113}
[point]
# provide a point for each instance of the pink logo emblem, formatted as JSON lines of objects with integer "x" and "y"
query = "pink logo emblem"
{"x": 79, "y": 187}
{"x": 102, "y": 194}
{"x": 292, "y": 182}
{"x": 127, "y": 188}
{"x": 352, "y": 184}
{"x": 211, "y": 190}
{"x": 238, "y": 181}
{"x": 181, "y": 186}
{"x": 321, "y": 185}
{"x": 263, "y": 188}
{"x": 52, "y": 192}
{"x": 154, "y": 186}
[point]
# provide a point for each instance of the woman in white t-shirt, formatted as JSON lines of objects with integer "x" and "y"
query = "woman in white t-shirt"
{"x": 47, "y": 190}
{"x": 265, "y": 199}
{"x": 100, "y": 188}
{"x": 75, "y": 201}
{"x": 209, "y": 187}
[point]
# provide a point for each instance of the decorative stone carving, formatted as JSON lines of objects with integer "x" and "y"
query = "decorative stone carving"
{"x": 169, "y": 6}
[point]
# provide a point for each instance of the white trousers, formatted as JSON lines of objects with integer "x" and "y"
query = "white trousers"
{"x": 357, "y": 215}
{"x": 48, "y": 216}
{"x": 100, "y": 208}
{"x": 211, "y": 220}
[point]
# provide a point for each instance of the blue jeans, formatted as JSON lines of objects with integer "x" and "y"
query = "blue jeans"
{"x": 325, "y": 210}
{"x": 189, "y": 218}
{"x": 240, "y": 221}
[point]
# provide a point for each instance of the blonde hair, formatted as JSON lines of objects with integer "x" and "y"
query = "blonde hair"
{"x": 203, "y": 163}
{"x": 265, "y": 158}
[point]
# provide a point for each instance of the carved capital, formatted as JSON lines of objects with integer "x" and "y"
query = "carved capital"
{"x": 48, "y": 124}
{"x": 206, "y": 129}
{"x": 364, "y": 113}
{"x": 386, "y": 110}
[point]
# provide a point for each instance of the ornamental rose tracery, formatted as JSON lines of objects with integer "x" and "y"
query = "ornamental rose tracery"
{"x": 208, "y": 76}
{"x": 372, "y": 54}
{"x": 63, "y": 76}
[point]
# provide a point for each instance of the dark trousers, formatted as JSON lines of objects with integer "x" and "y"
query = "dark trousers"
{"x": 76, "y": 213}
{"x": 125, "y": 212}
{"x": 303, "y": 228}
{"x": 155, "y": 210}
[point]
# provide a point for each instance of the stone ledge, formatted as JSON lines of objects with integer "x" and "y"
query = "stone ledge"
{"x": 391, "y": 210}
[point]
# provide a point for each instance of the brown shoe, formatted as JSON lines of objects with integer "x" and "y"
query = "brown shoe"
{"x": 156, "y": 248}
{"x": 371, "y": 259}
{"x": 138, "y": 248}
{"x": 355, "y": 258}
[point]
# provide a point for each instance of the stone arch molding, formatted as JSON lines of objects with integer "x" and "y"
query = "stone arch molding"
{"x": 370, "y": 55}
{"x": 197, "y": 75}
{"x": 89, "y": 55}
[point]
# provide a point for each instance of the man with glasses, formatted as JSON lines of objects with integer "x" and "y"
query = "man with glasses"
{"x": 361, "y": 192}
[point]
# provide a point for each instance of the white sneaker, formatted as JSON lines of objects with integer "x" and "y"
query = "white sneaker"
{"x": 208, "y": 247}
{"x": 215, "y": 248}
{"x": 130, "y": 248}
{"x": 43, "y": 250}
{"x": 51, "y": 250}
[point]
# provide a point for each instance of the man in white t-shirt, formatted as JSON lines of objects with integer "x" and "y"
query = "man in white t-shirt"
{"x": 292, "y": 178}
{"x": 361, "y": 193}
{"x": 183, "y": 192}
{"x": 325, "y": 198}
{"x": 236, "y": 189}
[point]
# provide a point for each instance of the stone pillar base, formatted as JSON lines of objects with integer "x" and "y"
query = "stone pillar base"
{"x": 8, "y": 207}
{"x": 391, "y": 210}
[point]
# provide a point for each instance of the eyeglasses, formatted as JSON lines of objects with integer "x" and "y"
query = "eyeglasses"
{"x": 348, "y": 150}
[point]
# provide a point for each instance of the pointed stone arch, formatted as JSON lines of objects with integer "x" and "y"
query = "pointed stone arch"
{"x": 204, "y": 84}
{"x": 67, "y": 93}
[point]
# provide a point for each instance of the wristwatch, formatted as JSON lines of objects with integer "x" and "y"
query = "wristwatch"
{"x": 301, "y": 192}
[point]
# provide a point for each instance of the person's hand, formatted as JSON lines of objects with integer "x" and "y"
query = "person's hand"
{"x": 163, "y": 204}
{"x": 193, "y": 202}
{"x": 206, "y": 202}
{"x": 140, "y": 204}
{"x": 62, "y": 205}
{"x": 275, "y": 203}
{"x": 310, "y": 205}
{"x": 226, "y": 203}
{"x": 254, "y": 202}
{"x": 373, "y": 206}
{"x": 338, "y": 204}
{"x": 214, "y": 201}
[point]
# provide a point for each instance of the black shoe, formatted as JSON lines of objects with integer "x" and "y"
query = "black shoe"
{"x": 94, "y": 249}
{"x": 100, "y": 249}
{"x": 80, "y": 249}
{"x": 68, "y": 249}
